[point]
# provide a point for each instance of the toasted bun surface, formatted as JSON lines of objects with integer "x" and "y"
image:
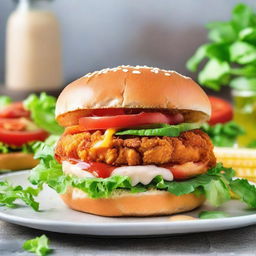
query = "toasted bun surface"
{"x": 132, "y": 87}
{"x": 17, "y": 161}
{"x": 149, "y": 203}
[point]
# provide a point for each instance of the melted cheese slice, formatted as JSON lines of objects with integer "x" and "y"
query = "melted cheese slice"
{"x": 107, "y": 139}
{"x": 142, "y": 173}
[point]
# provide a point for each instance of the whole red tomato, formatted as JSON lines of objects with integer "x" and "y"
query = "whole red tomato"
{"x": 222, "y": 111}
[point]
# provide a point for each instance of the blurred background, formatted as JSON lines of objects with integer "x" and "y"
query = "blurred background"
{"x": 97, "y": 34}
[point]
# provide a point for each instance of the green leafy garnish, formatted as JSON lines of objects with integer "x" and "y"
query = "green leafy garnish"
{"x": 28, "y": 148}
{"x": 9, "y": 194}
{"x": 223, "y": 135}
{"x": 214, "y": 184}
{"x": 212, "y": 215}
{"x": 42, "y": 110}
{"x": 231, "y": 52}
{"x": 245, "y": 191}
{"x": 4, "y": 148}
{"x": 4, "y": 101}
{"x": 161, "y": 130}
{"x": 38, "y": 245}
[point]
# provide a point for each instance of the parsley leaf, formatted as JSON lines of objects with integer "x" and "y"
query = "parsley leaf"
{"x": 42, "y": 110}
{"x": 38, "y": 245}
{"x": 230, "y": 53}
{"x": 223, "y": 135}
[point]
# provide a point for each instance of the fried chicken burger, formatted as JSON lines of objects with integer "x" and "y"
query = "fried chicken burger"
{"x": 133, "y": 135}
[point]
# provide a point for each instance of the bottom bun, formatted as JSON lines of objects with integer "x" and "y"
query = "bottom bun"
{"x": 149, "y": 203}
{"x": 17, "y": 161}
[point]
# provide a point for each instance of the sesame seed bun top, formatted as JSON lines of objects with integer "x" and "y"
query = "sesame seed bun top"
{"x": 132, "y": 87}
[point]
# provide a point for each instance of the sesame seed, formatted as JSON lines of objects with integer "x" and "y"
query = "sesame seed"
{"x": 136, "y": 72}
{"x": 125, "y": 70}
{"x": 167, "y": 74}
{"x": 154, "y": 71}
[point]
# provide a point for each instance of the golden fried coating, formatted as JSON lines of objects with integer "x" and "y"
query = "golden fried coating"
{"x": 190, "y": 146}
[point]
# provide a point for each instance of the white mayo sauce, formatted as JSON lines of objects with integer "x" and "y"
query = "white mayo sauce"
{"x": 138, "y": 174}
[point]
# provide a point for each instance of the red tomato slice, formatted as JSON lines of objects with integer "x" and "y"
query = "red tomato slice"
{"x": 18, "y": 138}
{"x": 124, "y": 121}
{"x": 222, "y": 111}
{"x": 187, "y": 170}
{"x": 12, "y": 124}
{"x": 14, "y": 110}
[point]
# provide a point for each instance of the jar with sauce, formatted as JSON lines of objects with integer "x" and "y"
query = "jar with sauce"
{"x": 33, "y": 48}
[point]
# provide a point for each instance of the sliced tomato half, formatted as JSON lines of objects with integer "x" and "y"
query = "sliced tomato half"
{"x": 18, "y": 138}
{"x": 123, "y": 121}
{"x": 12, "y": 124}
{"x": 222, "y": 111}
{"x": 187, "y": 170}
{"x": 14, "y": 110}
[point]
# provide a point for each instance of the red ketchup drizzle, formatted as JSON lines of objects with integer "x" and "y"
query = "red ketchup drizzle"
{"x": 99, "y": 170}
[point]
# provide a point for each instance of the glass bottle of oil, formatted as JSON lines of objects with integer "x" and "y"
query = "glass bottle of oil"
{"x": 245, "y": 116}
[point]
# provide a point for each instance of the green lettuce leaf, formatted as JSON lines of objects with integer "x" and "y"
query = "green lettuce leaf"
{"x": 4, "y": 101}
{"x": 245, "y": 191}
{"x": 212, "y": 215}
{"x": 4, "y": 148}
{"x": 42, "y": 110}
{"x": 9, "y": 194}
{"x": 162, "y": 130}
{"x": 38, "y": 245}
{"x": 28, "y": 148}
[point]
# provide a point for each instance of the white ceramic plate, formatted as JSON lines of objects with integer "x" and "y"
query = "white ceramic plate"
{"x": 55, "y": 216}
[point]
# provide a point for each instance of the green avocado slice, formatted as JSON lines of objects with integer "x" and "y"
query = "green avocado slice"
{"x": 161, "y": 130}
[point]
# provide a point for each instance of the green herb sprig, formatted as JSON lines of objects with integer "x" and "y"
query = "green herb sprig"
{"x": 231, "y": 53}
{"x": 223, "y": 135}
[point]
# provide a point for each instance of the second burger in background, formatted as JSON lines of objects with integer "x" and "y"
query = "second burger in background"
{"x": 22, "y": 124}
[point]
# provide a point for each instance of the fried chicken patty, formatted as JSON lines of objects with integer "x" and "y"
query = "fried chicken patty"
{"x": 190, "y": 146}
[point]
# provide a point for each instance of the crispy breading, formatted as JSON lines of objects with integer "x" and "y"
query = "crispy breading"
{"x": 190, "y": 146}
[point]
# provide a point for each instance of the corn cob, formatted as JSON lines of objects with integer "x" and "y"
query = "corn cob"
{"x": 243, "y": 161}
